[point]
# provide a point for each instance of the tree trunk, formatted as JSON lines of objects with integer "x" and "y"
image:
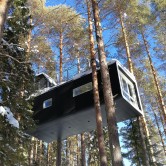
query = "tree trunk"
{"x": 40, "y": 153}
{"x": 160, "y": 133}
{"x": 141, "y": 120}
{"x": 67, "y": 153}
{"x": 108, "y": 97}
{"x": 102, "y": 153}
{"x": 4, "y": 5}
{"x": 83, "y": 161}
{"x": 29, "y": 41}
{"x": 61, "y": 56}
{"x": 58, "y": 158}
{"x": 48, "y": 154}
{"x": 160, "y": 97}
{"x": 31, "y": 154}
{"x": 130, "y": 65}
{"x": 78, "y": 63}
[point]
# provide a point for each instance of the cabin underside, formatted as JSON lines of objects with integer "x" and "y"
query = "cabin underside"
{"x": 82, "y": 121}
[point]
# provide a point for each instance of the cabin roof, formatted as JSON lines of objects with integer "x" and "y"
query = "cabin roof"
{"x": 79, "y": 75}
{"x": 48, "y": 78}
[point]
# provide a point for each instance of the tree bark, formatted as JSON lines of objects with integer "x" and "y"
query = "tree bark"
{"x": 130, "y": 65}
{"x": 31, "y": 154}
{"x": 58, "y": 158}
{"x": 67, "y": 153}
{"x": 102, "y": 153}
{"x": 83, "y": 161}
{"x": 61, "y": 56}
{"x": 144, "y": 132}
{"x": 108, "y": 97}
{"x": 160, "y": 96}
{"x": 141, "y": 120}
{"x": 78, "y": 63}
{"x": 40, "y": 152}
{"x": 29, "y": 41}
{"x": 160, "y": 133}
{"x": 48, "y": 154}
{"x": 4, "y": 5}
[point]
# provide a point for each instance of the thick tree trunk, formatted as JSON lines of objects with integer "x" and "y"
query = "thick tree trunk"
{"x": 102, "y": 153}
{"x": 108, "y": 97}
{"x": 160, "y": 97}
{"x": 61, "y": 56}
{"x": 58, "y": 158}
{"x": 83, "y": 161}
{"x": 4, "y": 5}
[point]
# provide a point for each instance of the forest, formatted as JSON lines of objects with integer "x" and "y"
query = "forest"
{"x": 62, "y": 38}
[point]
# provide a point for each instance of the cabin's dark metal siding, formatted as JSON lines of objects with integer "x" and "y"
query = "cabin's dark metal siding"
{"x": 72, "y": 115}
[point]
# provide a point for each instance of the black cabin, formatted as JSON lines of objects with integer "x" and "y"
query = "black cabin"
{"x": 68, "y": 109}
{"x": 44, "y": 81}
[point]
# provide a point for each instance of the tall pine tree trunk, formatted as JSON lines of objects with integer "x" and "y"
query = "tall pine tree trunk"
{"x": 78, "y": 150}
{"x": 59, "y": 147}
{"x": 4, "y": 5}
{"x": 126, "y": 43}
{"x": 83, "y": 161}
{"x": 61, "y": 56}
{"x": 141, "y": 120}
{"x": 102, "y": 153}
{"x": 160, "y": 133}
{"x": 31, "y": 152}
{"x": 108, "y": 97}
{"x": 48, "y": 154}
{"x": 160, "y": 97}
{"x": 78, "y": 63}
{"x": 29, "y": 41}
{"x": 40, "y": 152}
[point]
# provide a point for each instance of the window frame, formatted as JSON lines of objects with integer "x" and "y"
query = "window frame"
{"x": 47, "y": 103}
{"x": 80, "y": 89}
{"x": 128, "y": 92}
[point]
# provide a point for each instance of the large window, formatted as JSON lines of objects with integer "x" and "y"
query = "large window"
{"x": 128, "y": 89}
{"x": 82, "y": 89}
{"x": 47, "y": 103}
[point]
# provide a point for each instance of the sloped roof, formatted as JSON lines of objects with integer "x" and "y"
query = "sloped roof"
{"x": 48, "y": 78}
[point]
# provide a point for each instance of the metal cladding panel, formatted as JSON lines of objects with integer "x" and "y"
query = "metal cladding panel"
{"x": 70, "y": 115}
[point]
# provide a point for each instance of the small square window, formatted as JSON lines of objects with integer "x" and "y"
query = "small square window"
{"x": 47, "y": 103}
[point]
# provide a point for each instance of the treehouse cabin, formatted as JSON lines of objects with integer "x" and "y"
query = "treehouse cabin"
{"x": 68, "y": 108}
{"x": 44, "y": 81}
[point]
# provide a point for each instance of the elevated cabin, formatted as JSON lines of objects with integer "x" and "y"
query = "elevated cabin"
{"x": 68, "y": 108}
{"x": 44, "y": 81}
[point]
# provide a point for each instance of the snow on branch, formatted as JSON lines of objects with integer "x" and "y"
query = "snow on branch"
{"x": 5, "y": 111}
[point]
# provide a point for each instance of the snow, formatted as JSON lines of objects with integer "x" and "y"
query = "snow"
{"x": 20, "y": 49}
{"x": 5, "y": 111}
